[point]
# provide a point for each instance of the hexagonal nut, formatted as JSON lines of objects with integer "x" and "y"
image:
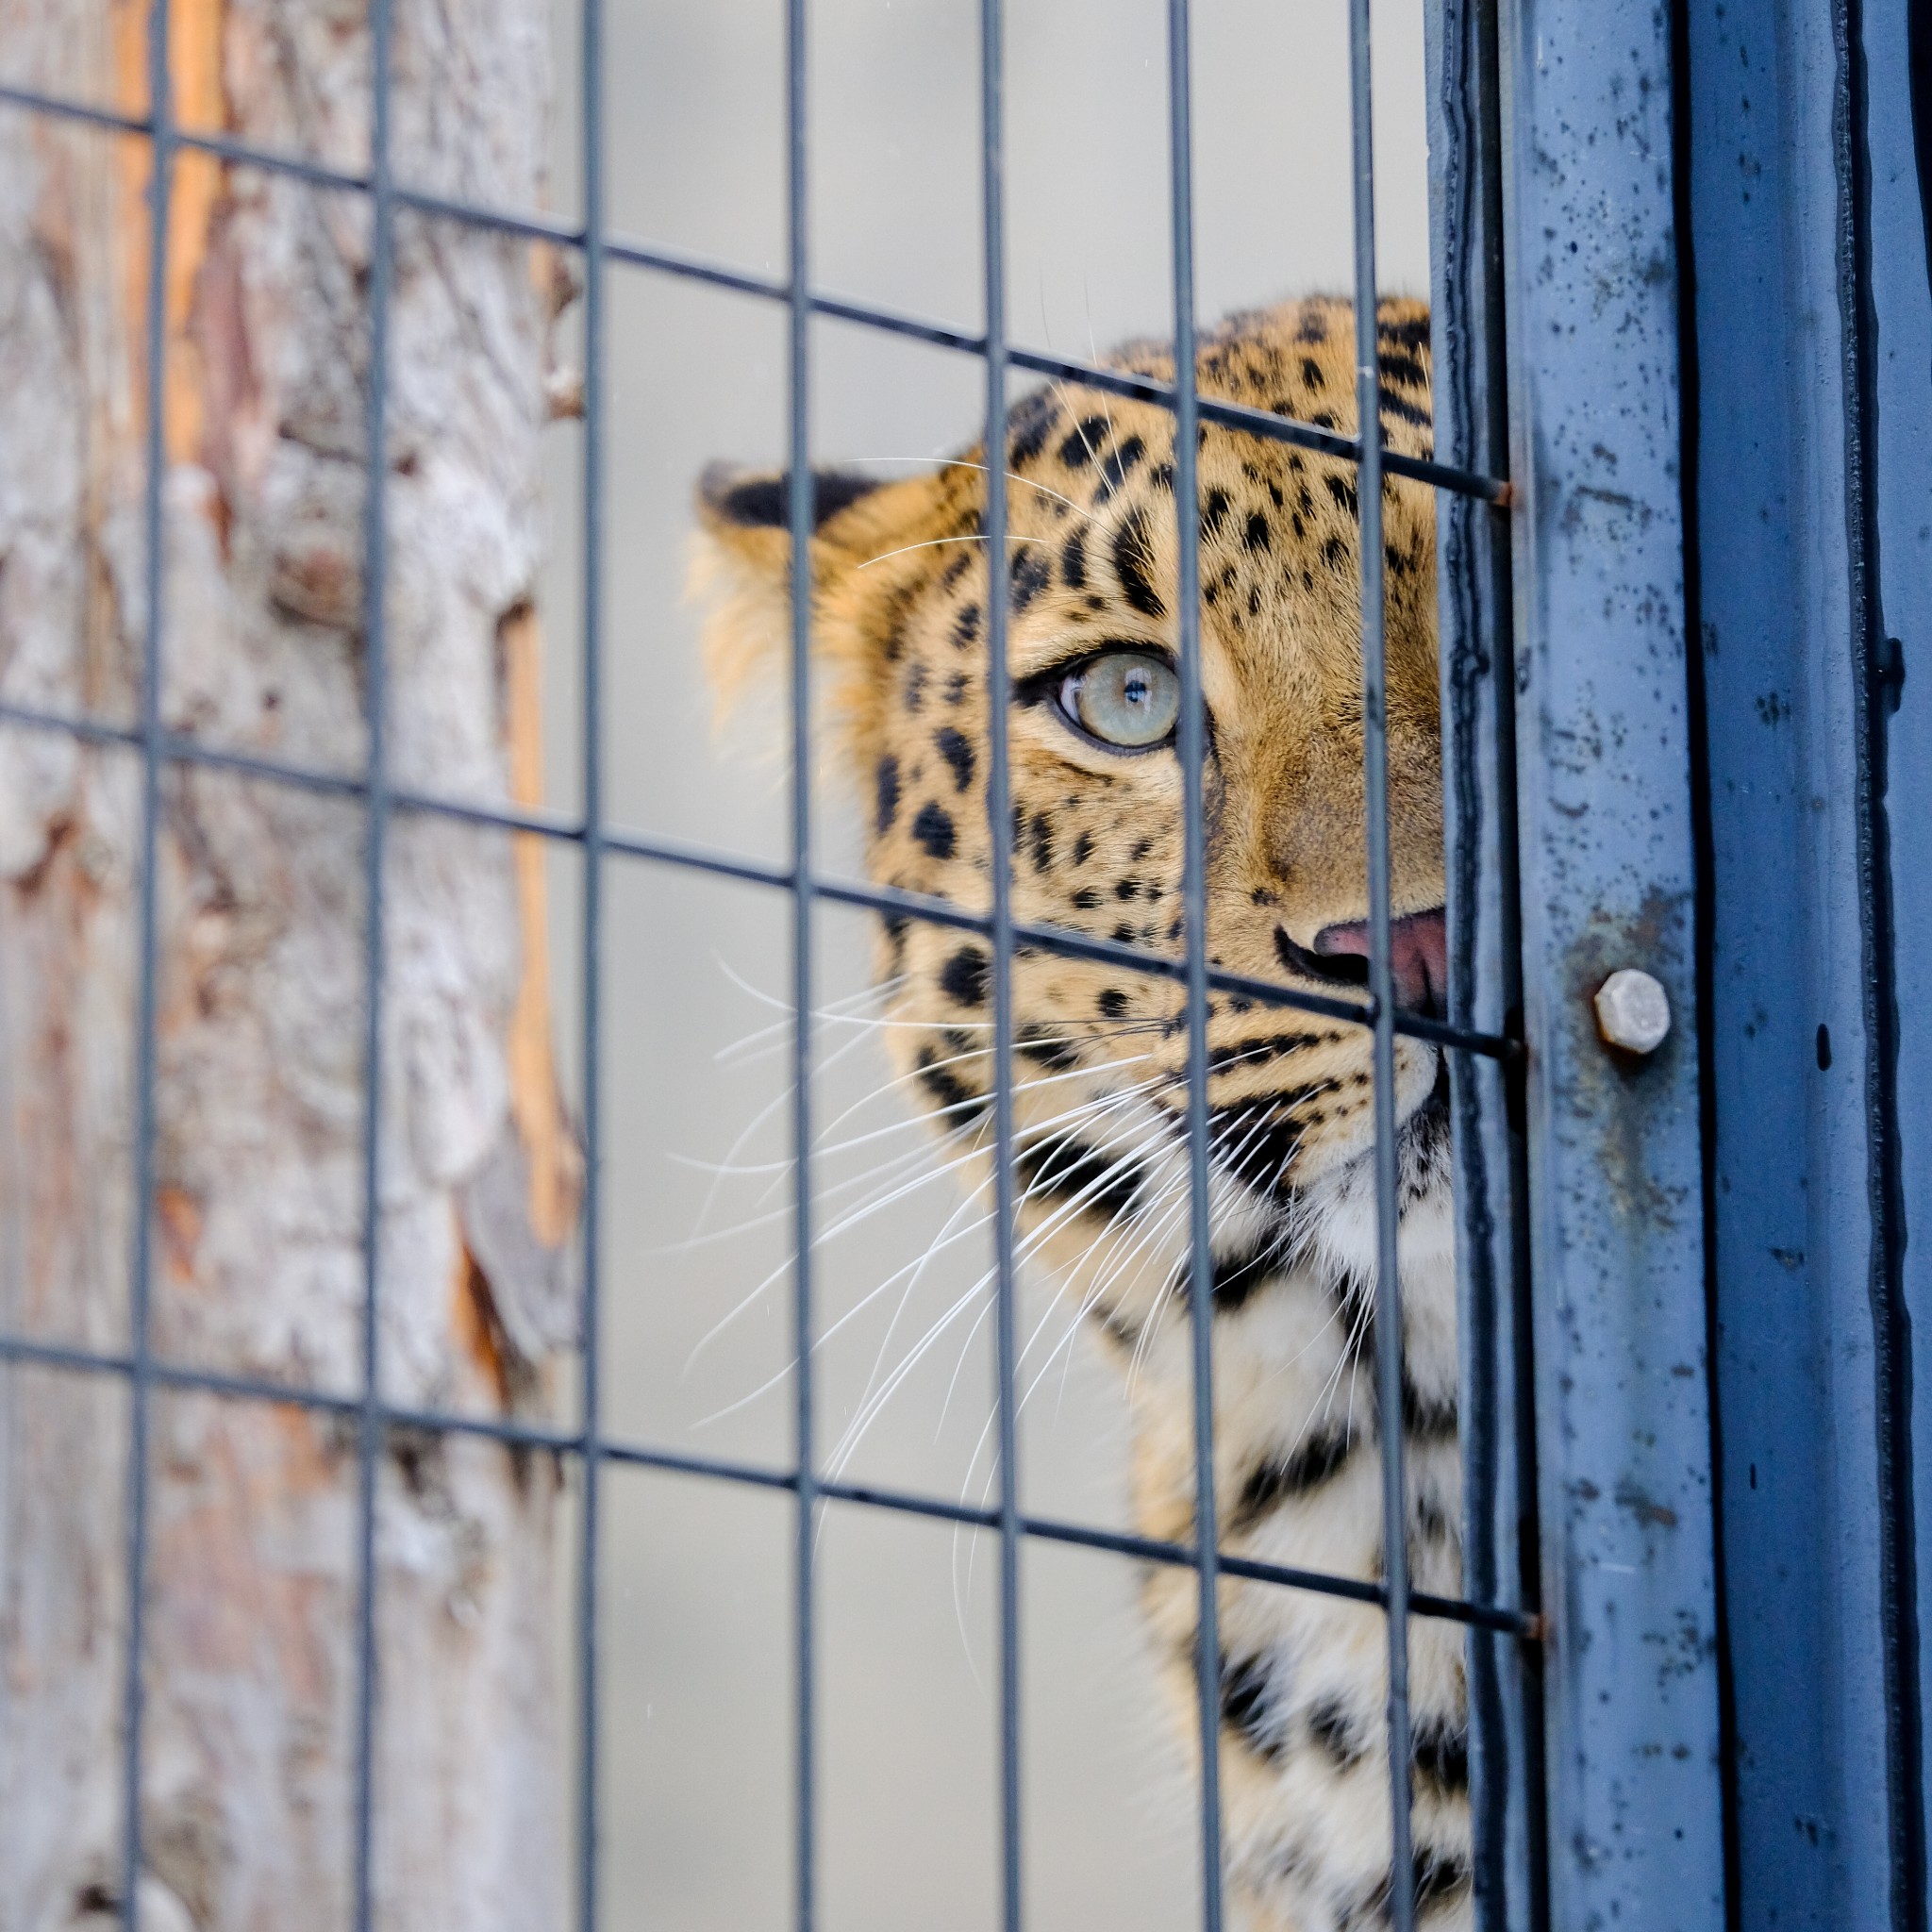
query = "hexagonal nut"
{"x": 1633, "y": 1011}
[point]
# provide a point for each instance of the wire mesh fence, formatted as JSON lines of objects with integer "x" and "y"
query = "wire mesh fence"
{"x": 589, "y": 1444}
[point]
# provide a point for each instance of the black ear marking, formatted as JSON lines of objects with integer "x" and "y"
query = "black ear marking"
{"x": 764, "y": 499}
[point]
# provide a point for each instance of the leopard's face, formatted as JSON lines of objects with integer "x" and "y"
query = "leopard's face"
{"x": 1092, "y": 638}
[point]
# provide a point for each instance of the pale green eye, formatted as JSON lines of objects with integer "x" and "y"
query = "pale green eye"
{"x": 1128, "y": 698}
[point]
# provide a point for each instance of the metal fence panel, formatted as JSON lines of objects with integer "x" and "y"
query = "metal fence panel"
{"x": 1555, "y": 183}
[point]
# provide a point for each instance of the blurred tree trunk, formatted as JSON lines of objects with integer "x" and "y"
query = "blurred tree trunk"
{"x": 252, "y": 1578}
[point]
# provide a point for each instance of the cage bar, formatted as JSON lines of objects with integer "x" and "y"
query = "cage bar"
{"x": 370, "y": 1433}
{"x": 1190, "y": 741}
{"x": 141, "y": 1364}
{"x": 1000, "y": 831}
{"x": 1389, "y": 1336}
{"x": 591, "y": 1443}
{"x": 799, "y": 510}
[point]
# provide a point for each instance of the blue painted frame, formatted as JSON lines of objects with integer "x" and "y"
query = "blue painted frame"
{"x": 1609, "y": 879}
{"x": 1809, "y": 351}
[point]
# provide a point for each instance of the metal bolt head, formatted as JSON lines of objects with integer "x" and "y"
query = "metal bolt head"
{"x": 1633, "y": 1011}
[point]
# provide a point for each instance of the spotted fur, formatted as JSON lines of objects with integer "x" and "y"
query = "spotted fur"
{"x": 899, "y": 624}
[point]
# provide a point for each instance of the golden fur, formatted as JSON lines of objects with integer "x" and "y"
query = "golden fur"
{"x": 899, "y": 632}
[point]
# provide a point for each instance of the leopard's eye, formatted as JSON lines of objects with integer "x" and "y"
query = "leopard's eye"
{"x": 1125, "y": 698}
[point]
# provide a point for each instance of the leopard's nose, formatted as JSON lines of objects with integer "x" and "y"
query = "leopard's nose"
{"x": 1419, "y": 959}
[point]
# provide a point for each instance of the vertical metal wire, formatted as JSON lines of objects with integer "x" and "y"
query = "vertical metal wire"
{"x": 589, "y": 1709}
{"x": 1381, "y": 977}
{"x": 1000, "y": 827}
{"x": 1193, "y": 741}
{"x": 801, "y": 511}
{"x": 376, "y": 844}
{"x": 160, "y": 185}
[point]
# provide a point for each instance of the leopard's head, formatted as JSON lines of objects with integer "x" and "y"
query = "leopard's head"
{"x": 899, "y": 631}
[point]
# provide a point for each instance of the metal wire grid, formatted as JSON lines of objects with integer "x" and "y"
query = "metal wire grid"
{"x": 159, "y": 747}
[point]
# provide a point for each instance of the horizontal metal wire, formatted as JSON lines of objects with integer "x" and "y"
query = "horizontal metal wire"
{"x": 178, "y": 748}
{"x": 541, "y": 227}
{"x": 25, "y": 1351}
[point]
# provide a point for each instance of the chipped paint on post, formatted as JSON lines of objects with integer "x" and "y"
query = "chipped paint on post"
{"x": 1617, "y": 1244}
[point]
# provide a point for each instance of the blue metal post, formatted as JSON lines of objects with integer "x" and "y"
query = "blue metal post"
{"x": 1607, "y": 875}
{"x": 1812, "y": 474}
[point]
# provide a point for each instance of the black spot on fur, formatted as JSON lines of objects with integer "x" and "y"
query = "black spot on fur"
{"x": 1133, "y": 562}
{"x": 1030, "y": 423}
{"x": 1402, "y": 367}
{"x": 1313, "y": 327}
{"x": 1440, "y": 1753}
{"x": 956, "y": 749}
{"x": 1335, "y": 553}
{"x": 966, "y": 627}
{"x": 1439, "y": 1874}
{"x": 1030, "y": 576}
{"x": 1405, "y": 412}
{"x": 1116, "y": 466}
{"x": 766, "y": 501}
{"x": 1343, "y": 491}
{"x": 1311, "y": 372}
{"x": 1317, "y": 1456}
{"x": 1213, "y": 512}
{"x": 1236, "y": 1277}
{"x": 1047, "y": 1049}
{"x": 914, "y": 687}
{"x": 1125, "y": 935}
{"x": 1112, "y": 1003}
{"x": 1244, "y": 1704}
{"x": 1265, "y": 1134}
{"x": 1329, "y": 1726}
{"x": 1068, "y": 1170}
{"x": 1254, "y": 1053}
{"x": 1427, "y": 1415}
{"x": 1083, "y": 848}
{"x": 1161, "y": 477}
{"x": 933, "y": 829}
{"x": 1087, "y": 899}
{"x": 963, "y": 976}
{"x": 1256, "y": 536}
{"x": 1078, "y": 449}
{"x": 1411, "y": 332}
{"x": 1073, "y": 561}
{"x": 888, "y": 794}
{"x": 957, "y": 687}
{"x": 964, "y": 1106}
{"x": 1043, "y": 842}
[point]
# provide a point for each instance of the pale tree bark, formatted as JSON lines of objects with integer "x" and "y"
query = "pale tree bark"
{"x": 251, "y": 1590}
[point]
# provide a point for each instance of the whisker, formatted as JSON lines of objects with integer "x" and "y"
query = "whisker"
{"x": 1012, "y": 476}
{"x": 933, "y": 543}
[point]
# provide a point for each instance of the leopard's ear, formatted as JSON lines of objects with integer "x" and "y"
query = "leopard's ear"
{"x": 741, "y": 573}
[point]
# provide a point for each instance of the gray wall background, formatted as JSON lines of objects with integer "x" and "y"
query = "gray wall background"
{"x": 697, "y": 1748}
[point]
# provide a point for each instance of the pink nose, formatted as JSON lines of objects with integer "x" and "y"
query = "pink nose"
{"x": 1418, "y": 958}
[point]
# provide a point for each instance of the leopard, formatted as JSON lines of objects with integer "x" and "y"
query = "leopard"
{"x": 1099, "y": 1066}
